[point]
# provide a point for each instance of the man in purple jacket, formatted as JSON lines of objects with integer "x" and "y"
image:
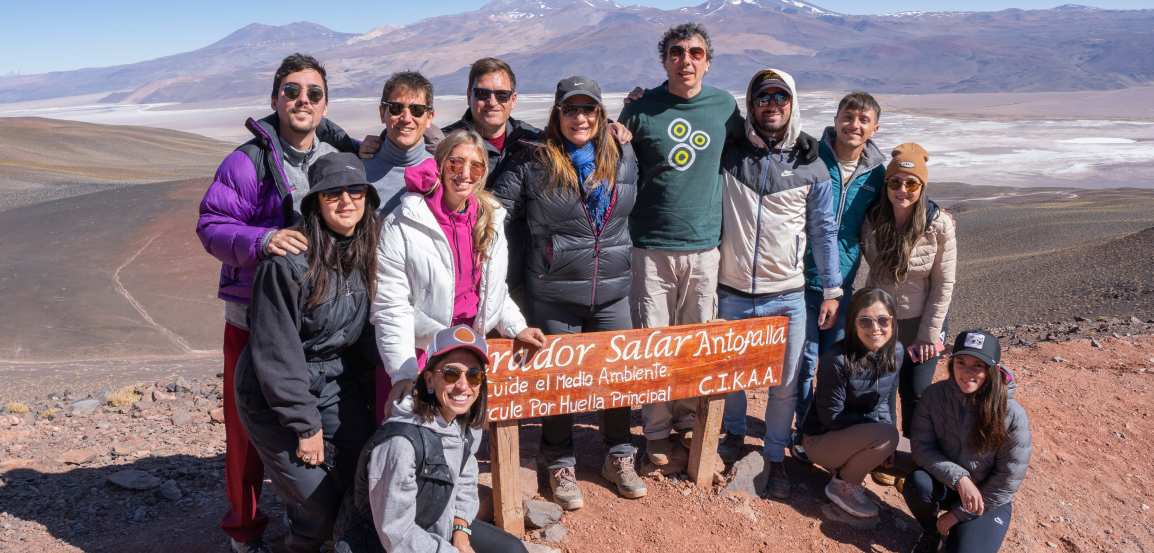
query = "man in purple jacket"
{"x": 247, "y": 214}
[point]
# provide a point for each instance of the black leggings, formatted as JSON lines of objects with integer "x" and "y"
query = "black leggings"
{"x": 925, "y": 497}
{"x": 487, "y": 538}
{"x": 913, "y": 378}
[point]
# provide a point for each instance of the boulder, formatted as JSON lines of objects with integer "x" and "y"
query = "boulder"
{"x": 183, "y": 386}
{"x": 750, "y": 474}
{"x": 181, "y": 419}
{"x": 134, "y": 480}
{"x": 85, "y": 407}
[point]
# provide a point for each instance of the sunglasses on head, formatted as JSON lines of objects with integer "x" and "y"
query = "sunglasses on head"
{"x": 473, "y": 376}
{"x": 570, "y": 111}
{"x": 696, "y": 53}
{"x": 292, "y": 91}
{"x": 780, "y": 98}
{"x": 483, "y": 94}
{"x": 910, "y": 185}
{"x": 356, "y": 192}
{"x": 417, "y": 110}
{"x": 867, "y": 323}
{"x": 457, "y": 165}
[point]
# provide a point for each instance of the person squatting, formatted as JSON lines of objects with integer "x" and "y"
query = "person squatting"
{"x": 361, "y": 278}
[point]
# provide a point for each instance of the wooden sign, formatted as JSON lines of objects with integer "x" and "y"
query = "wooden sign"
{"x": 574, "y": 373}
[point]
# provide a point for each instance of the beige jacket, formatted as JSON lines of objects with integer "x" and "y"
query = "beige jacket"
{"x": 929, "y": 284}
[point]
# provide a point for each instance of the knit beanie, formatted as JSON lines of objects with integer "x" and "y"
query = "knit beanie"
{"x": 909, "y": 158}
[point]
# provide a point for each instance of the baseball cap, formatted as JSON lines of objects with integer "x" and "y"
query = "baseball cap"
{"x": 769, "y": 79}
{"x": 460, "y": 336}
{"x": 577, "y": 85}
{"x": 980, "y": 344}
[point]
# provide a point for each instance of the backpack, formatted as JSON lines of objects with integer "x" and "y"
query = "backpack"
{"x": 354, "y": 531}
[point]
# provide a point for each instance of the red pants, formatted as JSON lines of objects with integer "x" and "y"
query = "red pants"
{"x": 243, "y": 470}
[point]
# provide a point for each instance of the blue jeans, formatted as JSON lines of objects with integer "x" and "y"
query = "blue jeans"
{"x": 783, "y": 397}
{"x": 817, "y": 342}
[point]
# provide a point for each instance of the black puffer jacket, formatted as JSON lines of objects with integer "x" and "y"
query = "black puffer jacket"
{"x": 843, "y": 400}
{"x": 565, "y": 262}
{"x": 302, "y": 359}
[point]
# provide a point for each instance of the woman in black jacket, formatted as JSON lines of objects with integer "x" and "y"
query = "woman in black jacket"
{"x": 574, "y": 193}
{"x": 298, "y": 387}
{"x": 848, "y": 429}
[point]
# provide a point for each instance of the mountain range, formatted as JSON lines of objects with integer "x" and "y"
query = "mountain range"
{"x": 1067, "y": 48}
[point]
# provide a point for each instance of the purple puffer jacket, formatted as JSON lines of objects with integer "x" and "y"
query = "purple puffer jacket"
{"x": 250, "y": 197}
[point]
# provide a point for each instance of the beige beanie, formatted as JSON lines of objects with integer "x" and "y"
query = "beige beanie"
{"x": 909, "y": 158}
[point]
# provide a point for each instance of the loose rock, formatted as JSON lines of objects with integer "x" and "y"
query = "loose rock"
{"x": 170, "y": 491}
{"x": 217, "y": 414}
{"x": 540, "y": 514}
{"x": 140, "y": 515}
{"x": 134, "y": 480}
{"x": 554, "y": 534}
{"x": 85, "y": 407}
{"x": 538, "y": 548}
{"x": 78, "y": 456}
{"x": 181, "y": 419}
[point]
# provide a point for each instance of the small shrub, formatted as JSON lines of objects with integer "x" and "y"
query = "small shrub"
{"x": 125, "y": 397}
{"x": 17, "y": 408}
{"x": 49, "y": 412}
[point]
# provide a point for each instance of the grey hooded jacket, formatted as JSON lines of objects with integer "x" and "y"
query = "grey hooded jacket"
{"x": 939, "y": 442}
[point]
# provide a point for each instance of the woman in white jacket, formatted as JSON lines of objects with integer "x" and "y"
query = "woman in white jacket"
{"x": 442, "y": 261}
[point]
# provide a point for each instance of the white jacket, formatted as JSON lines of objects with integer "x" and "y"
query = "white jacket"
{"x": 416, "y": 287}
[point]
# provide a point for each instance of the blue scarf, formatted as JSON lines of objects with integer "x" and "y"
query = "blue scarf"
{"x": 596, "y": 199}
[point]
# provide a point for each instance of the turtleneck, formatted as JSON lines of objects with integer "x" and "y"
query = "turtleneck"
{"x": 386, "y": 171}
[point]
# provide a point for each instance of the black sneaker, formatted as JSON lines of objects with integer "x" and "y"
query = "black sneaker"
{"x": 930, "y": 542}
{"x": 730, "y": 448}
{"x": 778, "y": 484}
{"x": 251, "y": 546}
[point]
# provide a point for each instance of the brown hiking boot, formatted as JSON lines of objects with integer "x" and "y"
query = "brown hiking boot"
{"x": 659, "y": 451}
{"x": 620, "y": 471}
{"x": 566, "y": 492}
{"x": 883, "y": 479}
{"x": 686, "y": 437}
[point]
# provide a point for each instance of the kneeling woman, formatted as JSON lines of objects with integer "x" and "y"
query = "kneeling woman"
{"x": 448, "y": 406}
{"x": 298, "y": 390}
{"x": 971, "y": 440}
{"x": 847, "y": 428}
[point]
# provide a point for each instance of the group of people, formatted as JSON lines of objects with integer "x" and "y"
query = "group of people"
{"x": 361, "y": 279}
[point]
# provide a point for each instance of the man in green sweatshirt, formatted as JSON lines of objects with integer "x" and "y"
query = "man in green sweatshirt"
{"x": 679, "y": 129}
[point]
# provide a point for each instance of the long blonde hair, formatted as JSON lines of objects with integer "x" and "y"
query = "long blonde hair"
{"x": 561, "y": 176}
{"x": 484, "y": 232}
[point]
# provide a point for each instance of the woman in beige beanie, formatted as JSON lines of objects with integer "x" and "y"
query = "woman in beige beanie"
{"x": 908, "y": 242}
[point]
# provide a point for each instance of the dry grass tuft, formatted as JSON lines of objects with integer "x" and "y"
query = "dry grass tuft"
{"x": 49, "y": 412}
{"x": 17, "y": 408}
{"x": 125, "y": 397}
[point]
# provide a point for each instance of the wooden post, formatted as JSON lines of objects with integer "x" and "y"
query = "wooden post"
{"x": 705, "y": 432}
{"x": 505, "y": 464}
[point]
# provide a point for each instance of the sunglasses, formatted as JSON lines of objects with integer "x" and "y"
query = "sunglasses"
{"x": 457, "y": 165}
{"x": 910, "y": 185}
{"x": 867, "y": 323}
{"x": 483, "y": 94}
{"x": 292, "y": 91}
{"x": 417, "y": 110}
{"x": 570, "y": 111}
{"x": 473, "y": 376}
{"x": 356, "y": 192}
{"x": 697, "y": 53}
{"x": 780, "y": 98}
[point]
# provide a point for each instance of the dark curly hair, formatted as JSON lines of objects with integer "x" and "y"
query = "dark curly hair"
{"x": 294, "y": 63}
{"x": 685, "y": 31}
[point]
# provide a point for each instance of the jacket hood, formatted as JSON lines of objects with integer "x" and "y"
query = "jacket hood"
{"x": 794, "y": 127}
{"x": 403, "y": 412}
{"x": 871, "y": 156}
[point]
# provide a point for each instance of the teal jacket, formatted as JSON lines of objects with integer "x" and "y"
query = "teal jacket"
{"x": 850, "y": 204}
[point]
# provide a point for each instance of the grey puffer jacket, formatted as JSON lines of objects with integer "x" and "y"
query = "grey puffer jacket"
{"x": 939, "y": 442}
{"x": 565, "y": 261}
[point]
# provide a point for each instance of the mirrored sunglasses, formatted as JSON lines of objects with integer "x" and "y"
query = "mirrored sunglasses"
{"x": 779, "y": 98}
{"x": 570, "y": 111}
{"x": 866, "y": 323}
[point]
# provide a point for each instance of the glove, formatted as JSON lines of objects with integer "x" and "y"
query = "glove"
{"x": 808, "y": 147}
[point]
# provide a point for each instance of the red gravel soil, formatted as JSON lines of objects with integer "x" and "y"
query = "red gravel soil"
{"x": 1088, "y": 487}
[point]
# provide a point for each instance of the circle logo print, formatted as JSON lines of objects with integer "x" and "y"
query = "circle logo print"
{"x": 681, "y": 157}
{"x": 679, "y": 130}
{"x": 699, "y": 140}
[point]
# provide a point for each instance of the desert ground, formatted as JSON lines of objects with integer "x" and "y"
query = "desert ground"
{"x": 105, "y": 285}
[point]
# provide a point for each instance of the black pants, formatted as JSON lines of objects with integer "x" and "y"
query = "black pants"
{"x": 487, "y": 538}
{"x": 914, "y": 378}
{"x": 557, "y": 431}
{"x": 925, "y": 497}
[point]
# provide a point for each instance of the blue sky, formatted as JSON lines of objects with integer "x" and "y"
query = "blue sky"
{"x": 55, "y": 35}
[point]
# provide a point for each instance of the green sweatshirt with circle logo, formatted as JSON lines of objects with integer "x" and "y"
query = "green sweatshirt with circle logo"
{"x": 678, "y": 142}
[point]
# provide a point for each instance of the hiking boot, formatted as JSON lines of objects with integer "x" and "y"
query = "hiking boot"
{"x": 566, "y": 492}
{"x": 251, "y": 546}
{"x": 851, "y": 498}
{"x": 930, "y": 542}
{"x": 730, "y": 448}
{"x": 620, "y": 471}
{"x": 799, "y": 453}
{"x": 659, "y": 451}
{"x": 900, "y": 484}
{"x": 686, "y": 437}
{"x": 883, "y": 479}
{"x": 778, "y": 484}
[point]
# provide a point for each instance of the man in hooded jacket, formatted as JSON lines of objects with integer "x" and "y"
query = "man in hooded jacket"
{"x": 774, "y": 202}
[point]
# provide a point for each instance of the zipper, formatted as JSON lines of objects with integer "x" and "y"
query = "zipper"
{"x": 596, "y": 257}
{"x": 757, "y": 234}
{"x": 597, "y": 242}
{"x": 796, "y": 251}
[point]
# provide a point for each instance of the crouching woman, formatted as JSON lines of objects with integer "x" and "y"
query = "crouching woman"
{"x": 971, "y": 440}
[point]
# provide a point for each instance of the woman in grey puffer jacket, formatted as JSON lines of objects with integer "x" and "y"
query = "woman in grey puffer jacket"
{"x": 576, "y": 191}
{"x": 971, "y": 440}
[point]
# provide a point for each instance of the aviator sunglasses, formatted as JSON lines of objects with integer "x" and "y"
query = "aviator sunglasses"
{"x": 910, "y": 185}
{"x": 483, "y": 94}
{"x": 292, "y": 91}
{"x": 417, "y": 110}
{"x": 457, "y": 165}
{"x": 356, "y": 192}
{"x": 866, "y": 323}
{"x": 570, "y": 111}
{"x": 473, "y": 376}
{"x": 779, "y": 98}
{"x": 696, "y": 53}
